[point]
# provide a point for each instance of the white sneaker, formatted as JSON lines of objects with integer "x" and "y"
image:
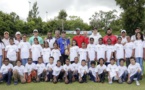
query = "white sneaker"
{"x": 137, "y": 83}
{"x": 110, "y": 82}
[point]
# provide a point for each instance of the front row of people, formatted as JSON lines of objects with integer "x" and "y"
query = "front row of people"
{"x": 70, "y": 72}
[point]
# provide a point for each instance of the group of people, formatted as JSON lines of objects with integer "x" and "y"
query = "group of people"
{"x": 60, "y": 59}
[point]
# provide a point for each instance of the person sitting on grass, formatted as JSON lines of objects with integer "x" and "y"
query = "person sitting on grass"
{"x": 19, "y": 73}
{"x": 49, "y": 68}
{"x": 6, "y": 71}
{"x": 122, "y": 72}
{"x": 92, "y": 71}
{"x": 83, "y": 71}
{"x": 100, "y": 71}
{"x": 75, "y": 66}
{"x": 134, "y": 71}
{"x": 68, "y": 71}
{"x": 41, "y": 70}
{"x": 30, "y": 71}
{"x": 112, "y": 71}
{"x": 58, "y": 72}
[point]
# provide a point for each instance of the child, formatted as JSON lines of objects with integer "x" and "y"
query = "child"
{"x": 6, "y": 71}
{"x": 46, "y": 53}
{"x": 83, "y": 53}
{"x": 75, "y": 66}
{"x": 128, "y": 48}
{"x": 73, "y": 51}
{"x": 100, "y": 49}
{"x": 49, "y": 68}
{"x": 100, "y": 71}
{"x": 2, "y": 49}
{"x": 58, "y": 72}
{"x": 122, "y": 71}
{"x": 41, "y": 70}
{"x": 109, "y": 51}
{"x": 68, "y": 71}
{"x": 112, "y": 71}
{"x": 119, "y": 50}
{"x": 92, "y": 71}
{"x": 134, "y": 71}
{"x": 138, "y": 49}
{"x": 83, "y": 70}
{"x": 11, "y": 52}
{"x": 30, "y": 71}
{"x": 55, "y": 53}
{"x": 36, "y": 50}
{"x": 19, "y": 73}
{"x": 24, "y": 50}
{"x": 91, "y": 51}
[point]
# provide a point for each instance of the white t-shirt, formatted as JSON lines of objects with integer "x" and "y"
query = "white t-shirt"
{"x": 93, "y": 71}
{"x": 112, "y": 69}
{"x": 2, "y": 47}
{"x": 29, "y": 68}
{"x": 20, "y": 70}
{"x": 82, "y": 69}
{"x": 56, "y": 54}
{"x": 138, "y": 46}
{"x": 68, "y": 67}
{"x": 121, "y": 70}
{"x": 56, "y": 70}
{"x": 46, "y": 52}
{"x": 100, "y": 69}
{"x": 83, "y": 54}
{"x": 36, "y": 51}
{"x": 5, "y": 68}
{"x": 119, "y": 51}
{"x": 50, "y": 66}
{"x": 75, "y": 66}
{"x": 128, "y": 47}
{"x": 40, "y": 68}
{"x": 124, "y": 40}
{"x": 25, "y": 48}
{"x": 132, "y": 69}
{"x": 73, "y": 52}
{"x": 91, "y": 51}
{"x": 6, "y": 41}
{"x": 17, "y": 42}
{"x": 109, "y": 50}
{"x": 11, "y": 52}
{"x": 96, "y": 37}
{"x": 51, "y": 42}
{"x": 100, "y": 49}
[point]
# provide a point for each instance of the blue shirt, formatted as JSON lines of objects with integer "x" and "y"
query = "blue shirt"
{"x": 63, "y": 43}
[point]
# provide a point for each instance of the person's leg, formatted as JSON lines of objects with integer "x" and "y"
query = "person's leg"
{"x": 33, "y": 75}
{"x": 13, "y": 63}
{"x": 91, "y": 76}
{"x": 89, "y": 63}
{"x": 35, "y": 62}
{"x": 84, "y": 78}
{"x": 1, "y": 61}
{"x": 141, "y": 64}
{"x": 50, "y": 76}
{"x": 62, "y": 59}
{"x": 16, "y": 77}
{"x": 102, "y": 77}
{"x": 138, "y": 75}
{"x": 60, "y": 76}
{"x": 70, "y": 76}
{"x": 9, "y": 77}
{"x": 71, "y": 62}
{"x": 23, "y": 80}
{"x": 117, "y": 63}
{"x": 127, "y": 62}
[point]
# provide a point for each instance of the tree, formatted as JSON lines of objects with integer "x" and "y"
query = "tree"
{"x": 133, "y": 15}
{"x": 62, "y": 15}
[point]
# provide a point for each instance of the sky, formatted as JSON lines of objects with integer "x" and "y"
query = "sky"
{"x": 82, "y": 8}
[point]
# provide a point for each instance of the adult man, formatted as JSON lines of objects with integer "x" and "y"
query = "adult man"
{"x": 57, "y": 34}
{"x": 79, "y": 38}
{"x": 95, "y": 35}
{"x": 124, "y": 37}
{"x": 6, "y": 38}
{"x": 31, "y": 40}
{"x": 133, "y": 37}
{"x": 85, "y": 33}
{"x": 18, "y": 38}
{"x": 63, "y": 43}
{"x": 111, "y": 36}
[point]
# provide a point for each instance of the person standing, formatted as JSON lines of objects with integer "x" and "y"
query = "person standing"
{"x": 79, "y": 38}
{"x": 124, "y": 37}
{"x": 85, "y": 33}
{"x": 17, "y": 38}
{"x": 133, "y": 37}
{"x": 63, "y": 44}
{"x": 95, "y": 35}
{"x": 6, "y": 38}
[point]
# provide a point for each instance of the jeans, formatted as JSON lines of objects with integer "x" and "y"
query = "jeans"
{"x": 92, "y": 77}
{"x": 35, "y": 62}
{"x": 107, "y": 63}
{"x": 24, "y": 61}
{"x": 1, "y": 61}
{"x": 84, "y": 78}
{"x": 127, "y": 61}
{"x": 7, "y": 77}
{"x": 124, "y": 76}
{"x": 50, "y": 76}
{"x": 70, "y": 75}
{"x": 63, "y": 58}
{"x": 140, "y": 61}
{"x": 117, "y": 62}
{"x": 137, "y": 75}
{"x": 102, "y": 77}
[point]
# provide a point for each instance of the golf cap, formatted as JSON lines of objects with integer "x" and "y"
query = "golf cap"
{"x": 77, "y": 29}
{"x": 18, "y": 33}
{"x": 35, "y": 30}
{"x": 6, "y": 32}
{"x": 123, "y": 31}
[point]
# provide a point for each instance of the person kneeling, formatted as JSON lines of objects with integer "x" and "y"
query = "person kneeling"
{"x": 92, "y": 71}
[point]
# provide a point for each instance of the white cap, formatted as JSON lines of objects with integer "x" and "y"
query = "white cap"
{"x": 18, "y": 33}
{"x": 35, "y": 30}
{"x": 123, "y": 31}
{"x": 77, "y": 29}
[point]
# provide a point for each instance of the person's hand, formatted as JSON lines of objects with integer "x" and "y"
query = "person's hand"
{"x": 138, "y": 71}
{"x": 98, "y": 79}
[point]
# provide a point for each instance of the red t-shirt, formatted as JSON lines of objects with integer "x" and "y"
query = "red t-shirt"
{"x": 79, "y": 39}
{"x": 112, "y": 37}
{"x": 87, "y": 40}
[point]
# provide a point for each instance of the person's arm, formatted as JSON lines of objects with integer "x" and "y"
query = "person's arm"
{"x": 3, "y": 53}
{"x": 30, "y": 40}
{"x": 41, "y": 41}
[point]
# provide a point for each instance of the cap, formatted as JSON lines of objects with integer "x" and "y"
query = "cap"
{"x": 63, "y": 31}
{"x": 77, "y": 29}
{"x": 18, "y": 33}
{"x": 35, "y": 30}
{"x": 123, "y": 31}
{"x": 6, "y": 32}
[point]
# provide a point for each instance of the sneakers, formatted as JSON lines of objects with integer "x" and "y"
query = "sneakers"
{"x": 137, "y": 83}
{"x": 15, "y": 82}
{"x": 110, "y": 82}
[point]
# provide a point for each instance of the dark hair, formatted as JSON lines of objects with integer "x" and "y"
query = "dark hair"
{"x": 25, "y": 35}
{"x": 36, "y": 39}
{"x": 1, "y": 40}
{"x": 112, "y": 59}
{"x": 101, "y": 59}
{"x": 83, "y": 60}
{"x": 93, "y": 62}
{"x": 109, "y": 29}
{"x": 46, "y": 42}
{"x": 67, "y": 59}
{"x": 39, "y": 58}
{"x": 55, "y": 43}
{"x": 58, "y": 61}
{"x": 91, "y": 39}
{"x": 121, "y": 60}
{"x": 137, "y": 28}
{"x": 100, "y": 39}
{"x": 119, "y": 38}
{"x": 132, "y": 58}
{"x": 11, "y": 39}
{"x": 6, "y": 59}
{"x": 18, "y": 61}
{"x": 95, "y": 28}
{"x": 140, "y": 37}
{"x": 75, "y": 41}
{"x": 51, "y": 57}
{"x": 29, "y": 59}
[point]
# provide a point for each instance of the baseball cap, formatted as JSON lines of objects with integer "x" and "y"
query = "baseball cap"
{"x": 6, "y": 32}
{"x": 18, "y": 33}
{"x": 123, "y": 31}
{"x": 77, "y": 29}
{"x": 35, "y": 30}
